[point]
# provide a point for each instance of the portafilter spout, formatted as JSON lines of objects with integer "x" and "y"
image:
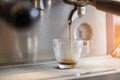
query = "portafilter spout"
{"x": 80, "y": 4}
{"x": 111, "y": 6}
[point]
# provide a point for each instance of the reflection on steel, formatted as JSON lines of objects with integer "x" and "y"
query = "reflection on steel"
{"x": 39, "y": 4}
{"x": 36, "y": 43}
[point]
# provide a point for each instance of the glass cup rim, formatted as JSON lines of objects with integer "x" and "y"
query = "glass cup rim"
{"x": 67, "y": 40}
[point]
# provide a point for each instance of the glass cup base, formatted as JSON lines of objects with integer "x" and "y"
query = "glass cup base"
{"x": 63, "y": 66}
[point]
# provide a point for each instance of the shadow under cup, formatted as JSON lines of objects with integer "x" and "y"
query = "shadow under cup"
{"x": 67, "y": 52}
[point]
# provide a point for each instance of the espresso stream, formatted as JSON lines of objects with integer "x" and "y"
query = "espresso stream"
{"x": 69, "y": 59}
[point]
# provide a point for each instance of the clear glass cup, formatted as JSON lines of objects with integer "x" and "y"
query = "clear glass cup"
{"x": 67, "y": 52}
{"x": 86, "y": 49}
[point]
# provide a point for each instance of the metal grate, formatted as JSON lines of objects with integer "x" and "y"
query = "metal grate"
{"x": 49, "y": 70}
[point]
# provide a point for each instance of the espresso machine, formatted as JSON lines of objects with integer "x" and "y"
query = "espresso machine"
{"x": 27, "y": 30}
{"x": 28, "y": 27}
{"x": 25, "y": 26}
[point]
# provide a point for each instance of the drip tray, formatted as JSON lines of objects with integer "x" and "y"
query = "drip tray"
{"x": 87, "y": 67}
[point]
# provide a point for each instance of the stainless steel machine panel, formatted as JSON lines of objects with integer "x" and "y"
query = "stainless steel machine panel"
{"x": 34, "y": 44}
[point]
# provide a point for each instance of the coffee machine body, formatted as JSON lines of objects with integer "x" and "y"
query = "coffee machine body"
{"x": 35, "y": 43}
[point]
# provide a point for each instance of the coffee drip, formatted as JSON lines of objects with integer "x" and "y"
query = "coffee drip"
{"x": 69, "y": 59}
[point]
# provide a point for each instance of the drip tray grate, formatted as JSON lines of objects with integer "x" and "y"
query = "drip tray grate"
{"x": 49, "y": 70}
